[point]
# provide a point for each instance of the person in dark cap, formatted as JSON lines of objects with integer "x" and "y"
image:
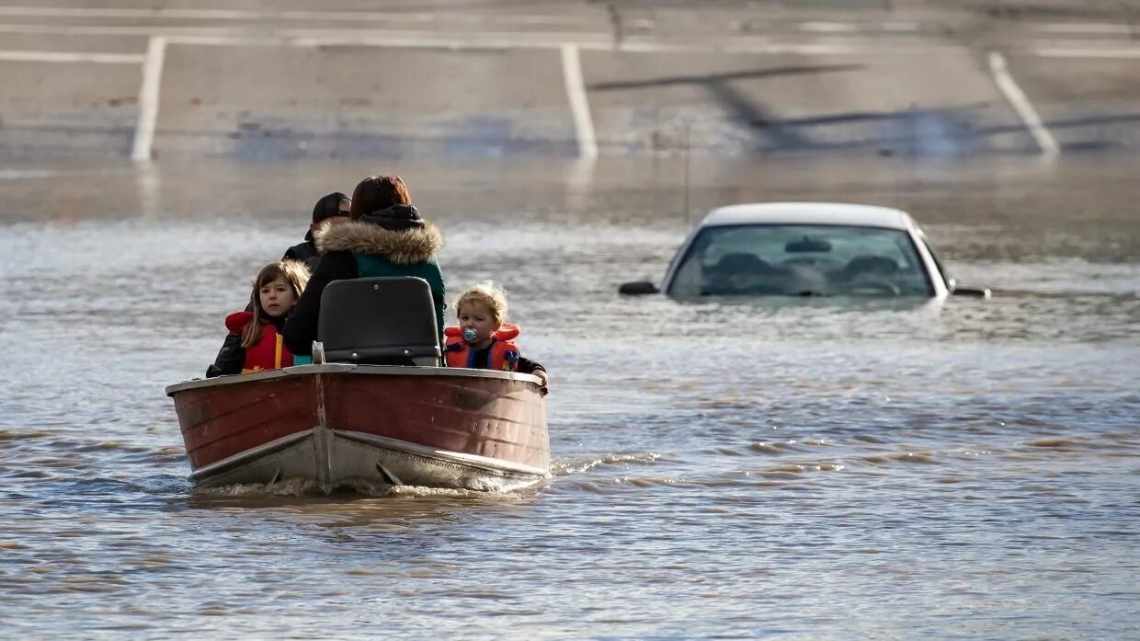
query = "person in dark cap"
{"x": 330, "y": 209}
{"x": 385, "y": 236}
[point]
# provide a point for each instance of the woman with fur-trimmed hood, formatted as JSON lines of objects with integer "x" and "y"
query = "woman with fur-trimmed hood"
{"x": 385, "y": 236}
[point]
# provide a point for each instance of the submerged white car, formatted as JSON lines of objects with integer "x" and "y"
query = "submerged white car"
{"x": 805, "y": 249}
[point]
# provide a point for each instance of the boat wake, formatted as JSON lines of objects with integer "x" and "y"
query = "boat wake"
{"x": 301, "y": 488}
{"x": 293, "y": 487}
{"x": 585, "y": 464}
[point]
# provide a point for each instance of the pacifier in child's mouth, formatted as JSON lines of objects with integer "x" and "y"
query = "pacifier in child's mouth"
{"x": 470, "y": 334}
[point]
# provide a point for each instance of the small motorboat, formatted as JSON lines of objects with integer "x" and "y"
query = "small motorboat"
{"x": 376, "y": 408}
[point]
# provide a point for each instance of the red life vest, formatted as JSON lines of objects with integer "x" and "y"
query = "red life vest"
{"x": 504, "y": 354}
{"x": 269, "y": 352}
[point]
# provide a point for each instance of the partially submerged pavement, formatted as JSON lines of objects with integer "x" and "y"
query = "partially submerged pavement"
{"x": 244, "y": 81}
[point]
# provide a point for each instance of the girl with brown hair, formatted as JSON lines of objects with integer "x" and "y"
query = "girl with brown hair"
{"x": 255, "y": 341}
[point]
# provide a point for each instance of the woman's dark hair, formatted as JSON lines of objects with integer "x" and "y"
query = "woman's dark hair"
{"x": 378, "y": 192}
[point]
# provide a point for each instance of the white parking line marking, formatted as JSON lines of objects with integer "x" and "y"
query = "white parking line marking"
{"x": 70, "y": 12}
{"x": 148, "y": 99}
{"x": 24, "y": 174}
{"x": 1098, "y": 28}
{"x": 426, "y": 40}
{"x": 732, "y": 46}
{"x": 1117, "y": 53}
{"x": 903, "y": 26}
{"x": 579, "y": 104}
{"x": 388, "y": 17}
{"x": 828, "y": 27}
{"x": 406, "y": 37}
{"x": 1022, "y": 106}
{"x": 501, "y": 40}
{"x": 70, "y": 56}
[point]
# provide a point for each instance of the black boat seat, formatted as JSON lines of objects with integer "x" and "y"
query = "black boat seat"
{"x": 378, "y": 321}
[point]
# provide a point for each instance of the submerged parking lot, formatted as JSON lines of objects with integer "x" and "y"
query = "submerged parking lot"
{"x": 791, "y": 467}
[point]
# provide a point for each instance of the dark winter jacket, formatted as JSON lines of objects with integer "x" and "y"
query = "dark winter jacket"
{"x": 359, "y": 249}
{"x": 305, "y": 252}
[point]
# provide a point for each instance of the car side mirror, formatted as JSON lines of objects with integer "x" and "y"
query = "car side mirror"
{"x": 638, "y": 288}
{"x": 972, "y": 292}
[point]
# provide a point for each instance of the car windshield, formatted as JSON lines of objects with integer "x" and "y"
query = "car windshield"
{"x": 798, "y": 260}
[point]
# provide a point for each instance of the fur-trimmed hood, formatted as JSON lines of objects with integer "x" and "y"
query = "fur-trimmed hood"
{"x": 406, "y": 247}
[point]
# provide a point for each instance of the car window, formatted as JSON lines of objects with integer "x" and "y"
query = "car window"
{"x": 800, "y": 259}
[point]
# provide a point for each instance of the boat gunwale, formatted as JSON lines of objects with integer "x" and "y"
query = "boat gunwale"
{"x": 349, "y": 368}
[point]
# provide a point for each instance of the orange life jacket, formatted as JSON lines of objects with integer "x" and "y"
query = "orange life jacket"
{"x": 504, "y": 353}
{"x": 269, "y": 352}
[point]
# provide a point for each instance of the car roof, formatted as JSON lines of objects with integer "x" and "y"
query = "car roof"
{"x": 809, "y": 214}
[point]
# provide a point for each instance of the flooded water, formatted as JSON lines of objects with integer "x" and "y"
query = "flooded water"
{"x": 796, "y": 469}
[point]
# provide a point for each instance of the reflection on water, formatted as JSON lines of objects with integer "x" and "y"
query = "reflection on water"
{"x": 807, "y": 468}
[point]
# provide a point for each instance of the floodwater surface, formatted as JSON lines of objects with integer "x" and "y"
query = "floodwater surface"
{"x": 783, "y": 469}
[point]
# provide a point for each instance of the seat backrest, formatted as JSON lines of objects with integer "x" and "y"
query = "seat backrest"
{"x": 379, "y": 321}
{"x": 868, "y": 264}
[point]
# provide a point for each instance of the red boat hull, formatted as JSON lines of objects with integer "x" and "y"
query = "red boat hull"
{"x": 340, "y": 424}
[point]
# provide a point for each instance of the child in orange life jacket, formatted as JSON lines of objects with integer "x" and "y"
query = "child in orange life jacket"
{"x": 255, "y": 342}
{"x": 483, "y": 339}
